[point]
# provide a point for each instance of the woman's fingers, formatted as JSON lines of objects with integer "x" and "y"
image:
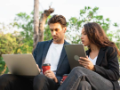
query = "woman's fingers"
{"x": 84, "y": 63}
{"x": 81, "y": 61}
{"x": 84, "y": 58}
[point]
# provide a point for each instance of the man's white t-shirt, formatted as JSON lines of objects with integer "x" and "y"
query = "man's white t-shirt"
{"x": 53, "y": 55}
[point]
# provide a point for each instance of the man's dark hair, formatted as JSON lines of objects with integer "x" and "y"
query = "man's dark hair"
{"x": 58, "y": 19}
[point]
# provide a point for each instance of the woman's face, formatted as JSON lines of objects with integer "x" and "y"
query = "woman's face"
{"x": 84, "y": 38}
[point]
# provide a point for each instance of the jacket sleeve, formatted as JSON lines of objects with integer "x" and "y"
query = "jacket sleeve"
{"x": 112, "y": 71}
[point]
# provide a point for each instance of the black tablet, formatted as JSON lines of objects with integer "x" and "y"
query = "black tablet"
{"x": 74, "y": 51}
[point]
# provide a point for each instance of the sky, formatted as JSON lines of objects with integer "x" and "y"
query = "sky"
{"x": 68, "y": 8}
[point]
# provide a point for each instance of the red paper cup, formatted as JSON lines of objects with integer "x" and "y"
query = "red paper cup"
{"x": 64, "y": 77}
{"x": 45, "y": 67}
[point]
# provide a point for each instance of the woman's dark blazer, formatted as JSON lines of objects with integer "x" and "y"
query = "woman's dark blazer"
{"x": 107, "y": 65}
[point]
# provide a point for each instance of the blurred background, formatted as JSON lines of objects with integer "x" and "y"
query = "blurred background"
{"x": 23, "y": 23}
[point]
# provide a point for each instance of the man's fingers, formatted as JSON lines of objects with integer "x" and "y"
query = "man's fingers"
{"x": 39, "y": 70}
{"x": 49, "y": 75}
{"x": 48, "y": 71}
{"x": 38, "y": 67}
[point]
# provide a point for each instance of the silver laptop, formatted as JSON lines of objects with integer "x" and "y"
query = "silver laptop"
{"x": 21, "y": 64}
{"x": 74, "y": 51}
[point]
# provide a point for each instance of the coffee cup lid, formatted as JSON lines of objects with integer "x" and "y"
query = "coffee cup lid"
{"x": 46, "y": 64}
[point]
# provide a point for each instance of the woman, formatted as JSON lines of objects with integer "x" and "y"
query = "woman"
{"x": 100, "y": 69}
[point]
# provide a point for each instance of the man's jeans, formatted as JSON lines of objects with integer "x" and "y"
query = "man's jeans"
{"x": 15, "y": 82}
{"x": 83, "y": 79}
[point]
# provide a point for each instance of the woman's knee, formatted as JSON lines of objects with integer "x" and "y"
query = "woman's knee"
{"x": 78, "y": 68}
{"x": 83, "y": 85}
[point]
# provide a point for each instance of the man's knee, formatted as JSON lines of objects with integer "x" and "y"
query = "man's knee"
{"x": 39, "y": 78}
{"x": 7, "y": 77}
{"x": 39, "y": 82}
{"x": 4, "y": 80}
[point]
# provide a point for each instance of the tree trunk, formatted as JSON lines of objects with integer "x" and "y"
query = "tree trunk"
{"x": 39, "y": 31}
{"x": 42, "y": 21}
{"x": 36, "y": 23}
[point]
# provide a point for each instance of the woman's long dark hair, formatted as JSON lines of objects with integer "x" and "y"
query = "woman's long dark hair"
{"x": 97, "y": 36}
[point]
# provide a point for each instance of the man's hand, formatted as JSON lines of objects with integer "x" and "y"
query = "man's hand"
{"x": 51, "y": 75}
{"x": 85, "y": 62}
{"x": 38, "y": 67}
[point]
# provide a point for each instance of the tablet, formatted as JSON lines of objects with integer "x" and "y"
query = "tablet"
{"x": 74, "y": 51}
{"x": 21, "y": 64}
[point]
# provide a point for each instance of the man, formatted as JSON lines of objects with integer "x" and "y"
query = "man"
{"x": 52, "y": 52}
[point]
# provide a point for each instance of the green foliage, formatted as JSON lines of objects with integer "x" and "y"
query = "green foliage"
{"x": 22, "y": 41}
{"x": 25, "y": 22}
{"x": 8, "y": 44}
{"x": 115, "y": 24}
{"x": 47, "y": 34}
{"x": 3, "y": 68}
{"x": 115, "y": 36}
{"x": 87, "y": 14}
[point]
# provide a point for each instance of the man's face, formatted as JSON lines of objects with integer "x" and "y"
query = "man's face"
{"x": 57, "y": 32}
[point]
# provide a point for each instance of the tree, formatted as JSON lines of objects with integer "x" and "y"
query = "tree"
{"x": 36, "y": 23}
{"x": 47, "y": 32}
{"x": 25, "y": 22}
{"x": 39, "y": 35}
{"x": 115, "y": 36}
{"x": 87, "y": 14}
{"x": 7, "y": 46}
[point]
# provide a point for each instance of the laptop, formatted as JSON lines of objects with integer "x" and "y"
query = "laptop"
{"x": 74, "y": 51}
{"x": 21, "y": 64}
